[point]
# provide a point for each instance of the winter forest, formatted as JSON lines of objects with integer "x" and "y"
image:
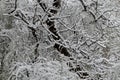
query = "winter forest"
{"x": 59, "y": 40}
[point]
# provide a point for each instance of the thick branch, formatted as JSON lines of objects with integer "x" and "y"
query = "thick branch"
{"x": 83, "y": 4}
{"x": 43, "y": 6}
{"x": 62, "y": 49}
{"x": 57, "y": 3}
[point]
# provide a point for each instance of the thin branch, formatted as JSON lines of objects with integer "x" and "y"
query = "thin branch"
{"x": 102, "y": 15}
{"x": 21, "y": 16}
{"x": 34, "y": 17}
{"x": 14, "y": 7}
